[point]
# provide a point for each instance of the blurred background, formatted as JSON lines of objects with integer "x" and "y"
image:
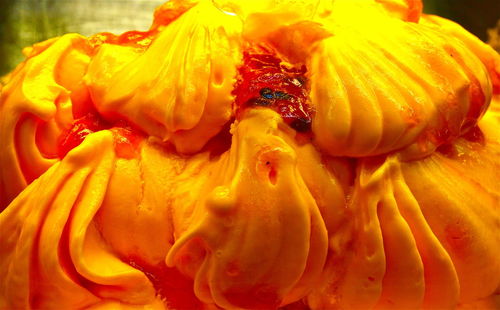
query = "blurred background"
{"x": 24, "y": 22}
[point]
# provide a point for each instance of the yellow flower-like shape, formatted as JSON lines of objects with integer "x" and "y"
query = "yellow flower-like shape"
{"x": 179, "y": 89}
{"x": 38, "y": 102}
{"x": 238, "y": 155}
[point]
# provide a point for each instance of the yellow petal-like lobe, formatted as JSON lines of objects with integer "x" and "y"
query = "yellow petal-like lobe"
{"x": 370, "y": 93}
{"x": 139, "y": 202}
{"x": 362, "y": 106}
{"x": 180, "y": 88}
{"x": 425, "y": 231}
{"x": 52, "y": 254}
{"x": 460, "y": 199}
{"x": 36, "y": 106}
{"x": 258, "y": 231}
{"x": 486, "y": 53}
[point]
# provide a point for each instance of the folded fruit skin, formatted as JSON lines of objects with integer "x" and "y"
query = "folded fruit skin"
{"x": 134, "y": 175}
{"x": 36, "y": 105}
{"x": 180, "y": 88}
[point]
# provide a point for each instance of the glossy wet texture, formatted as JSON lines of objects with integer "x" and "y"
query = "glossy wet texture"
{"x": 266, "y": 81}
{"x": 126, "y": 138}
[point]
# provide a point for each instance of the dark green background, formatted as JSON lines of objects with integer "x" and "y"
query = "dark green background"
{"x": 24, "y": 22}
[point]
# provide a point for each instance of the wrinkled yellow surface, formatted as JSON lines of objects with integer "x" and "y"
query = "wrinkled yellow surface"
{"x": 38, "y": 99}
{"x": 180, "y": 88}
{"x": 367, "y": 215}
{"x": 362, "y": 106}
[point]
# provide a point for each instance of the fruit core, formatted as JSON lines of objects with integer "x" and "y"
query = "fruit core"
{"x": 267, "y": 81}
{"x": 125, "y": 138}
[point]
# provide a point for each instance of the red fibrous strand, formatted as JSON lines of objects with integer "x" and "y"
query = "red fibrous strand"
{"x": 126, "y": 138}
{"x": 267, "y": 81}
{"x": 81, "y": 128}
